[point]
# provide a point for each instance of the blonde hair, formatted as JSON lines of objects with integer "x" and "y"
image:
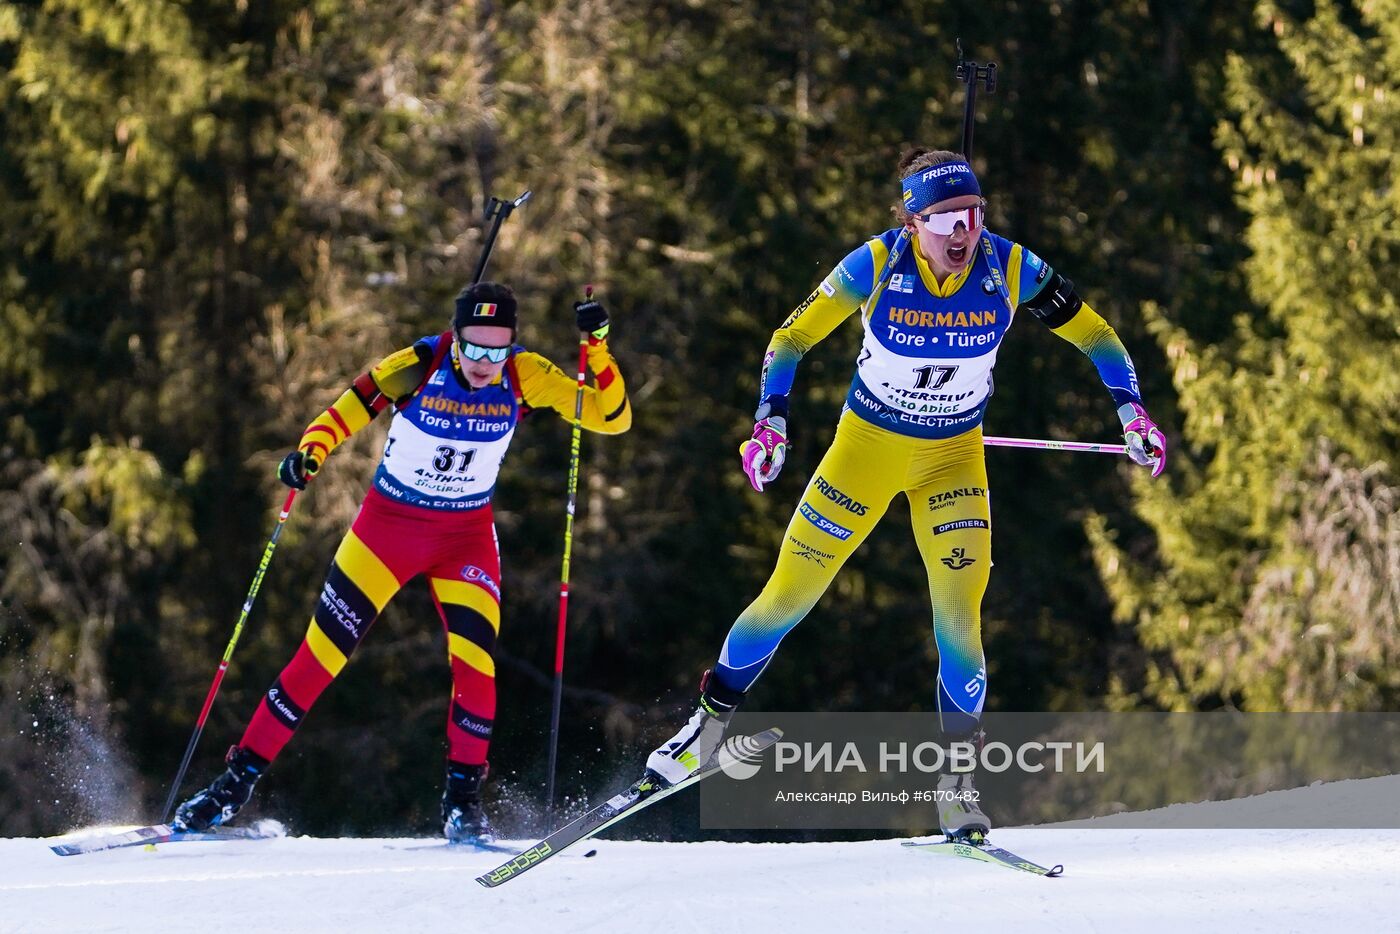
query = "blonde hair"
{"x": 910, "y": 161}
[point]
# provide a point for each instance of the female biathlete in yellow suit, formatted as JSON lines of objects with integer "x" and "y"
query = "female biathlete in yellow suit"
{"x": 936, "y": 295}
{"x": 457, "y": 398}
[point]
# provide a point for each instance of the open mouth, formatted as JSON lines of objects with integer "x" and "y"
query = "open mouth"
{"x": 957, "y": 255}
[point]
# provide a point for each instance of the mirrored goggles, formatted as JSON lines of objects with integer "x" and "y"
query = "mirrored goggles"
{"x": 945, "y": 222}
{"x": 474, "y": 352}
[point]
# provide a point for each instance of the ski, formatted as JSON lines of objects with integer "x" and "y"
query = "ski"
{"x": 985, "y": 853}
{"x": 643, "y": 793}
{"x": 475, "y": 847}
{"x": 498, "y": 848}
{"x": 470, "y": 848}
{"x": 484, "y": 847}
{"x": 156, "y": 833}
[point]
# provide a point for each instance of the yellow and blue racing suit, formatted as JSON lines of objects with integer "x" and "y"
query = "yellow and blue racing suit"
{"x": 911, "y": 424}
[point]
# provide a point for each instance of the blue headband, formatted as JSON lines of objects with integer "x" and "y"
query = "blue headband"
{"x": 938, "y": 182}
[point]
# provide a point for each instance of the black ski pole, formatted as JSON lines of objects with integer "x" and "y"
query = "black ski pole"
{"x": 971, "y": 74}
{"x": 564, "y": 574}
{"x": 228, "y": 654}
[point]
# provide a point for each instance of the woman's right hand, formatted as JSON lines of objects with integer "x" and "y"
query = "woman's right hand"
{"x": 764, "y": 453}
{"x": 297, "y": 468}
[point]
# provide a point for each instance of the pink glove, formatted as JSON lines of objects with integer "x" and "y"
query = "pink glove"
{"x": 764, "y": 453}
{"x": 1146, "y": 443}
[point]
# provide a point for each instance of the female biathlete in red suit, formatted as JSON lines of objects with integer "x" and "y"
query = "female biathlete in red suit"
{"x": 457, "y": 398}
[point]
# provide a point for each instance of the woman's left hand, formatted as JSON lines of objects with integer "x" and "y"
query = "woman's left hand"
{"x": 1146, "y": 443}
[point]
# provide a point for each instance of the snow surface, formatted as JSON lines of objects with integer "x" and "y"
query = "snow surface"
{"x": 1116, "y": 880}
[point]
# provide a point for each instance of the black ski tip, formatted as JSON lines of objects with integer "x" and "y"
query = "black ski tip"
{"x": 590, "y": 853}
{"x": 1055, "y": 871}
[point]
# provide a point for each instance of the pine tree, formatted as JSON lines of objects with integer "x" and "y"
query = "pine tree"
{"x": 1277, "y": 579}
{"x": 136, "y": 198}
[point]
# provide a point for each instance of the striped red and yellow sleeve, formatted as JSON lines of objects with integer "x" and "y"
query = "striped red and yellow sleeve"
{"x": 605, "y": 406}
{"x": 390, "y": 380}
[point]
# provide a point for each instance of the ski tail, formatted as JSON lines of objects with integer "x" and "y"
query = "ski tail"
{"x": 484, "y": 846}
{"x": 163, "y": 833}
{"x": 641, "y": 794}
{"x": 156, "y": 833}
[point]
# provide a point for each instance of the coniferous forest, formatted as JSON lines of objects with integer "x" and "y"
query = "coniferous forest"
{"x": 213, "y": 216}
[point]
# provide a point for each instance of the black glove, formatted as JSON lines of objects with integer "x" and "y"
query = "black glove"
{"x": 592, "y": 318}
{"x": 297, "y": 468}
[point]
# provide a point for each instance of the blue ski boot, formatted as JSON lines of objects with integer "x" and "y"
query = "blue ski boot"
{"x": 464, "y": 820}
{"x": 225, "y": 795}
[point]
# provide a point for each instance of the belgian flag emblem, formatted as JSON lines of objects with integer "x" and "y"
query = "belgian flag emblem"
{"x": 485, "y": 310}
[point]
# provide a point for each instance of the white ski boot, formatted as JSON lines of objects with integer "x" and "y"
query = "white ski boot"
{"x": 959, "y": 811}
{"x": 680, "y": 756}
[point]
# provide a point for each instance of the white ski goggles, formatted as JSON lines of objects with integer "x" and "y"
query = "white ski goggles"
{"x": 944, "y": 223}
{"x": 474, "y": 352}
